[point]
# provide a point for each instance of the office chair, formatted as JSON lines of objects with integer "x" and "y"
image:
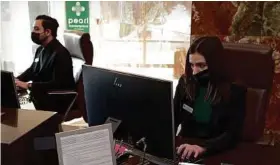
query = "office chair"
{"x": 81, "y": 49}
{"x": 251, "y": 66}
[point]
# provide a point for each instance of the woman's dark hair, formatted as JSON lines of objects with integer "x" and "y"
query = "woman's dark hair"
{"x": 213, "y": 51}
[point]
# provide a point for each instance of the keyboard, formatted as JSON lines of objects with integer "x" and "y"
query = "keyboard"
{"x": 24, "y": 100}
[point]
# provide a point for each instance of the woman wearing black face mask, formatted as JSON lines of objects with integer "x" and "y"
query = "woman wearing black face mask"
{"x": 206, "y": 104}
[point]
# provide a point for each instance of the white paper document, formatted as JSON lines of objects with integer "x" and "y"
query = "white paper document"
{"x": 90, "y": 146}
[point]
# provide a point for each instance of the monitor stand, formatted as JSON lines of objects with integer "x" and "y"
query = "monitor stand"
{"x": 115, "y": 123}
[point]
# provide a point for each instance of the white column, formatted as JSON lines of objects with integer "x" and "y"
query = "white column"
{"x": 57, "y": 11}
{"x": 16, "y": 42}
{"x": 94, "y": 14}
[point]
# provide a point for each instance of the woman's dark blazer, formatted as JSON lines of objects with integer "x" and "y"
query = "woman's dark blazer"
{"x": 226, "y": 121}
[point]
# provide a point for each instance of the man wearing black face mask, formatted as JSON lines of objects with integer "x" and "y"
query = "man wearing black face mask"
{"x": 52, "y": 65}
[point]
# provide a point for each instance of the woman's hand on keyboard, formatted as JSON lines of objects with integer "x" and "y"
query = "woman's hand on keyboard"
{"x": 187, "y": 151}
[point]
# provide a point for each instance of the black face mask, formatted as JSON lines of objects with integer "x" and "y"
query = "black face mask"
{"x": 202, "y": 77}
{"x": 35, "y": 37}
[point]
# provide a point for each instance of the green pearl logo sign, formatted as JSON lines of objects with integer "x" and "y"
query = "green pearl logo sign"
{"x": 77, "y": 15}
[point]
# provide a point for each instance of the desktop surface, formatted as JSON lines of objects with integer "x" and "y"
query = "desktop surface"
{"x": 245, "y": 153}
{"x": 19, "y": 130}
{"x": 16, "y": 123}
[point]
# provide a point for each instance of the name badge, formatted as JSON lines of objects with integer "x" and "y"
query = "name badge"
{"x": 36, "y": 60}
{"x": 187, "y": 108}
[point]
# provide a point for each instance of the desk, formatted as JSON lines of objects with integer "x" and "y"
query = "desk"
{"x": 243, "y": 154}
{"x": 247, "y": 154}
{"x": 18, "y": 130}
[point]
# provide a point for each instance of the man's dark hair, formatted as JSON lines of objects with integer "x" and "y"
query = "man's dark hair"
{"x": 49, "y": 23}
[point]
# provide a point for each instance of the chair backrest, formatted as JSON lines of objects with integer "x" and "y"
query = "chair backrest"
{"x": 251, "y": 66}
{"x": 80, "y": 45}
{"x": 81, "y": 49}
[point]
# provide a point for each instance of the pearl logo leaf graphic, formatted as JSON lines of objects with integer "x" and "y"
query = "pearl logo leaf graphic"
{"x": 78, "y": 8}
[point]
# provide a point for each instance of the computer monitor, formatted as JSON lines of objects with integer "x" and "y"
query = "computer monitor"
{"x": 144, "y": 105}
{"x": 9, "y": 97}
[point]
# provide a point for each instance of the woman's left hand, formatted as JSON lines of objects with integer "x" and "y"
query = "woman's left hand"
{"x": 187, "y": 150}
